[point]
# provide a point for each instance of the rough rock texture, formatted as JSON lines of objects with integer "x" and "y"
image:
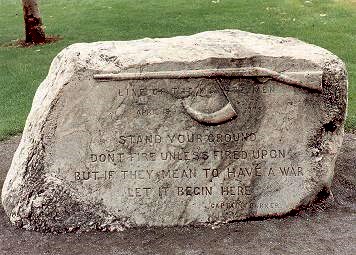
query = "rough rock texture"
{"x": 114, "y": 154}
{"x": 307, "y": 232}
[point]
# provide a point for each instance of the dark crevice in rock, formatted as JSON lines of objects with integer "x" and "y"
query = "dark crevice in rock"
{"x": 330, "y": 126}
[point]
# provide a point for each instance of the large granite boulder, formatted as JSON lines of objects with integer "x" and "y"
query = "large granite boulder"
{"x": 208, "y": 128}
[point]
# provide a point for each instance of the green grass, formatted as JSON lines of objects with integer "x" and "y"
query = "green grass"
{"x": 22, "y": 69}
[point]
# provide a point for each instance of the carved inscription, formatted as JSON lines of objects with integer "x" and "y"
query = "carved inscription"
{"x": 152, "y": 159}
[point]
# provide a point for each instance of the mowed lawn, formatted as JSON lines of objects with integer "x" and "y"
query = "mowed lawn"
{"x": 328, "y": 23}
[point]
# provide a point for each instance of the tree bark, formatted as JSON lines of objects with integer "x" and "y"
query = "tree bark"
{"x": 33, "y": 23}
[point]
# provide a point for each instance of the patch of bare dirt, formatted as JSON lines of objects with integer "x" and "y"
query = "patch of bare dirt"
{"x": 22, "y": 43}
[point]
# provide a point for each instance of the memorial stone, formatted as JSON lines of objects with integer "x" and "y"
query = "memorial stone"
{"x": 202, "y": 129}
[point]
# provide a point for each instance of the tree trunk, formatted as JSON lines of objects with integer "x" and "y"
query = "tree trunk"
{"x": 33, "y": 23}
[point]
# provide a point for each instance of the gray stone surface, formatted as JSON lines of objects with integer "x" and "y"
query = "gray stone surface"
{"x": 317, "y": 230}
{"x": 162, "y": 151}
